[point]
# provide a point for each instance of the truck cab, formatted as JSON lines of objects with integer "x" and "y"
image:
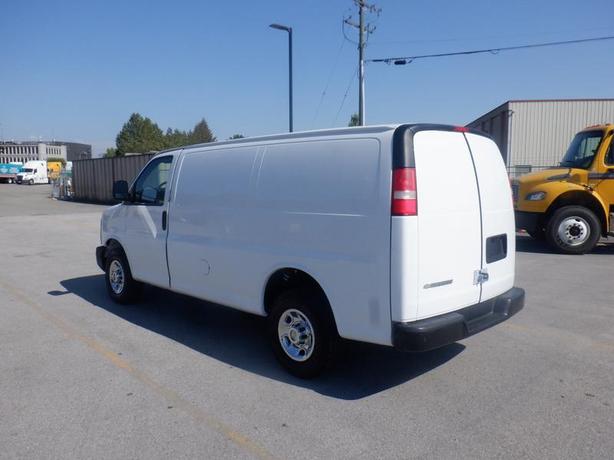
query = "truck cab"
{"x": 571, "y": 206}
{"x": 34, "y": 172}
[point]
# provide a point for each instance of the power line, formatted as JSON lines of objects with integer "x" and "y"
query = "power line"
{"x": 330, "y": 76}
{"x": 345, "y": 95}
{"x": 408, "y": 59}
{"x": 492, "y": 37}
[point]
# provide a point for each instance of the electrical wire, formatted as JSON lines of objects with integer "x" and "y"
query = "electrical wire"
{"x": 354, "y": 74}
{"x": 408, "y": 59}
{"x": 491, "y": 37}
{"x": 330, "y": 76}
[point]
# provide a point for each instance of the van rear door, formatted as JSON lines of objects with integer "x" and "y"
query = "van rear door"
{"x": 449, "y": 228}
{"x": 498, "y": 228}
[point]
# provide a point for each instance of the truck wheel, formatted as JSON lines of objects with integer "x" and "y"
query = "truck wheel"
{"x": 573, "y": 230}
{"x": 31, "y": 182}
{"x": 121, "y": 286}
{"x": 302, "y": 338}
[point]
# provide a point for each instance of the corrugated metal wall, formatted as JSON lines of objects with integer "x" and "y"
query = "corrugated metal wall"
{"x": 92, "y": 180}
{"x": 542, "y": 130}
{"x": 533, "y": 135}
{"x": 495, "y": 123}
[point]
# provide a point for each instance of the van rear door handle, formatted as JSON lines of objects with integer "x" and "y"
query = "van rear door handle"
{"x": 163, "y": 220}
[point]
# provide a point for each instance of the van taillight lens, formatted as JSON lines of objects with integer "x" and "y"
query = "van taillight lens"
{"x": 404, "y": 192}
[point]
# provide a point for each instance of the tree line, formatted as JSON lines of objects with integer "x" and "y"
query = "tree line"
{"x": 141, "y": 135}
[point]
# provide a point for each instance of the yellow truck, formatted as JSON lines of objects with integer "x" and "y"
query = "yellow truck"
{"x": 54, "y": 168}
{"x": 571, "y": 206}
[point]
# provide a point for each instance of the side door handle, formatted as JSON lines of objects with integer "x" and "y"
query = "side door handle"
{"x": 163, "y": 220}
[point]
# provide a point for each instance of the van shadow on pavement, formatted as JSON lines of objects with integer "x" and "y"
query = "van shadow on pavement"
{"x": 525, "y": 243}
{"x": 238, "y": 339}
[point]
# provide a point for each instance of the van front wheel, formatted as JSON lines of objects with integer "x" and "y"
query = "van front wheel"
{"x": 301, "y": 336}
{"x": 573, "y": 230}
{"x": 122, "y": 288}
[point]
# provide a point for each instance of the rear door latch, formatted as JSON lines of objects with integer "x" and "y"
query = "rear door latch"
{"x": 480, "y": 276}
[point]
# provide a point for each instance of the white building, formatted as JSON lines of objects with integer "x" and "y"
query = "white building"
{"x": 11, "y": 152}
{"x": 533, "y": 134}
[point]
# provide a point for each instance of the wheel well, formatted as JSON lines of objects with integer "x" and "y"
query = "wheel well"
{"x": 578, "y": 198}
{"x": 286, "y": 279}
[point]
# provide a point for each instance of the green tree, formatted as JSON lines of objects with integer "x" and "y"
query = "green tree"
{"x": 201, "y": 133}
{"x": 175, "y": 138}
{"x": 139, "y": 135}
{"x": 236, "y": 136}
{"x": 354, "y": 120}
{"x": 110, "y": 152}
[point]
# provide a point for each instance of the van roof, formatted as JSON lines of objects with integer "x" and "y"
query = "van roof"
{"x": 296, "y": 135}
{"x": 375, "y": 129}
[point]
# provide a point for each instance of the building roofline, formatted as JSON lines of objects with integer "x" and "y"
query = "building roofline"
{"x": 488, "y": 113}
{"x": 526, "y": 101}
{"x": 564, "y": 100}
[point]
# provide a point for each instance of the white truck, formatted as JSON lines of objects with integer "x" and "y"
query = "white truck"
{"x": 397, "y": 235}
{"x": 34, "y": 172}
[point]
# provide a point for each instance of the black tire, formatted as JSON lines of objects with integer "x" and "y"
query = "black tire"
{"x": 315, "y": 309}
{"x": 131, "y": 289}
{"x": 31, "y": 182}
{"x": 586, "y": 221}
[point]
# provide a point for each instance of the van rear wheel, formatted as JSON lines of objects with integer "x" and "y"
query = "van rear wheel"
{"x": 573, "y": 230}
{"x": 301, "y": 335}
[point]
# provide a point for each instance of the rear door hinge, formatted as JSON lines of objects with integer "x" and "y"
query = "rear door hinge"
{"x": 480, "y": 276}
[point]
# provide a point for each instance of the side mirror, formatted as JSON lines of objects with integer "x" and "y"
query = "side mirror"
{"x": 120, "y": 190}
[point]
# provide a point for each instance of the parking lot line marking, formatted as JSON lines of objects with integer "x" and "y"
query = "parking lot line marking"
{"x": 174, "y": 398}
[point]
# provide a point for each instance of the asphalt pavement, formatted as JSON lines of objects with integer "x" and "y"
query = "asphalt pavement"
{"x": 174, "y": 377}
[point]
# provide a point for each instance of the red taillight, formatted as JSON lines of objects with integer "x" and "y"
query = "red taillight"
{"x": 404, "y": 192}
{"x": 461, "y": 129}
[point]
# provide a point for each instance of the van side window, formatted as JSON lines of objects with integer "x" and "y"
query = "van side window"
{"x": 150, "y": 187}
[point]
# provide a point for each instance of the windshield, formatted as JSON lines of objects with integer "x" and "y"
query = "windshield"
{"x": 28, "y": 170}
{"x": 582, "y": 149}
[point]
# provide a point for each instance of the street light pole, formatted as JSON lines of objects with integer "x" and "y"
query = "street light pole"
{"x": 289, "y": 30}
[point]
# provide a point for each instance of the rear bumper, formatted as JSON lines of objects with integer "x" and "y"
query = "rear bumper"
{"x": 430, "y": 333}
{"x": 101, "y": 254}
{"x": 527, "y": 220}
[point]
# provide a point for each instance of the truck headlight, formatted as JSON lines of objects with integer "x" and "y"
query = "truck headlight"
{"x": 535, "y": 196}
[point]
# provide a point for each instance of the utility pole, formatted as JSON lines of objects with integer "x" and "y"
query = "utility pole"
{"x": 361, "y": 63}
{"x": 363, "y": 33}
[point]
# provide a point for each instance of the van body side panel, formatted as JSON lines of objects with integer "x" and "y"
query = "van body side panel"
{"x": 449, "y": 228}
{"x": 211, "y": 254}
{"x": 404, "y": 268}
{"x": 325, "y": 205}
{"x": 497, "y": 216}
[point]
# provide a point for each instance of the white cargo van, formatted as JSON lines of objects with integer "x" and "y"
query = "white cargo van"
{"x": 397, "y": 235}
{"x": 34, "y": 172}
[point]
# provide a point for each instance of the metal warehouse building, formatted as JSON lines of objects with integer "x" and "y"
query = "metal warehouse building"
{"x": 533, "y": 134}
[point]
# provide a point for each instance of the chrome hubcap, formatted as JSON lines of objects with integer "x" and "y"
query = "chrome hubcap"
{"x": 296, "y": 335}
{"x": 116, "y": 276}
{"x": 574, "y": 231}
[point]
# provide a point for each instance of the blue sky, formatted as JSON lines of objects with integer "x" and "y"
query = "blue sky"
{"x": 76, "y": 70}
